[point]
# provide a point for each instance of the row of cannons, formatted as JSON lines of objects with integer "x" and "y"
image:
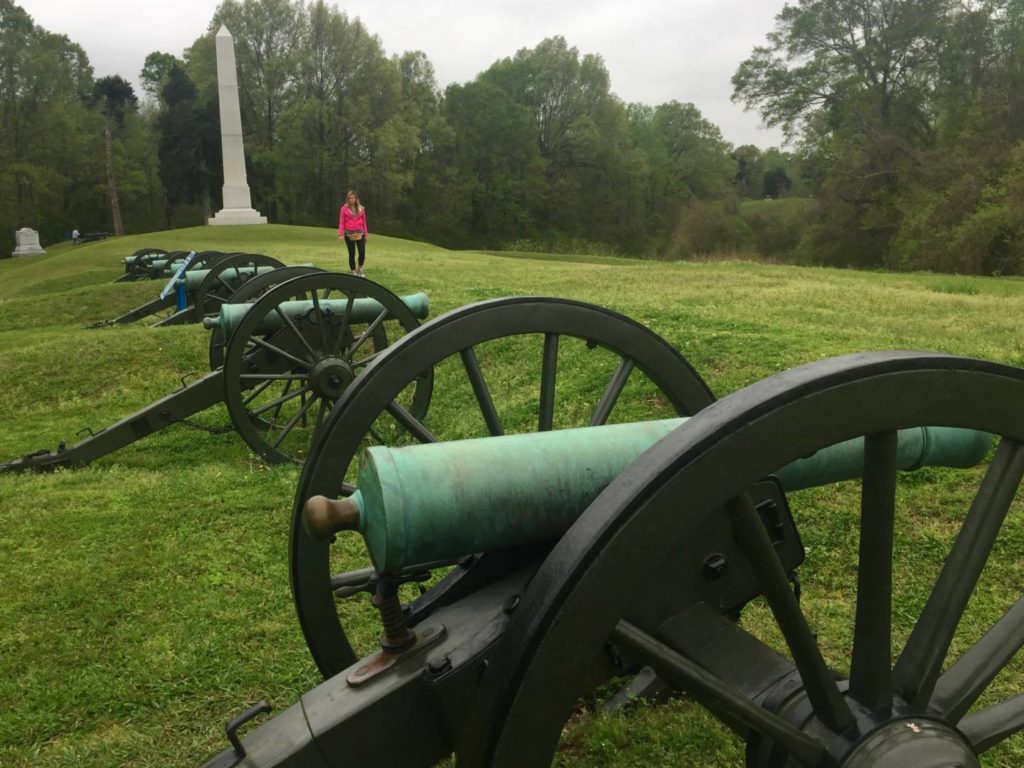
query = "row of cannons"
{"x": 279, "y": 355}
{"x": 198, "y": 283}
{"x": 551, "y": 559}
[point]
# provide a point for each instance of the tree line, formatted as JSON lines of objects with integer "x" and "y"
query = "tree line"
{"x": 905, "y": 120}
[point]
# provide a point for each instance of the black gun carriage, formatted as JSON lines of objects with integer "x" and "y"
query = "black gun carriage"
{"x": 278, "y": 363}
{"x": 156, "y": 263}
{"x": 540, "y": 590}
{"x": 204, "y": 287}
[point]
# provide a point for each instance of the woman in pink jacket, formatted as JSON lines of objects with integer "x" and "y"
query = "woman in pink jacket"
{"x": 352, "y": 227}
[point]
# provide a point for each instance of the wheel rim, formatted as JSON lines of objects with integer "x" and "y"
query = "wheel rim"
{"x": 206, "y": 259}
{"x": 247, "y": 293}
{"x": 577, "y": 601}
{"x": 145, "y": 251}
{"x": 143, "y": 268}
{"x": 276, "y": 405}
{"x": 458, "y": 339}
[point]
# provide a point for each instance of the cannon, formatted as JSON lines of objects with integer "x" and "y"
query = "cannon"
{"x": 156, "y": 263}
{"x": 206, "y": 288}
{"x": 277, "y": 379}
{"x": 559, "y": 558}
{"x": 136, "y": 265}
{"x": 141, "y": 256}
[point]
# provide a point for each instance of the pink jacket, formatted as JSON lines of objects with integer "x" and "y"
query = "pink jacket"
{"x": 350, "y": 221}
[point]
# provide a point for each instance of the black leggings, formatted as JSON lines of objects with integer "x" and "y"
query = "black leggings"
{"x": 351, "y": 245}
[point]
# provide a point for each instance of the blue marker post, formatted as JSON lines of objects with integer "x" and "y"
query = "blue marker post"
{"x": 172, "y": 284}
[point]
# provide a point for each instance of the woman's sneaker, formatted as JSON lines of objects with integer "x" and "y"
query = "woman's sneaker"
{"x": 360, "y": 273}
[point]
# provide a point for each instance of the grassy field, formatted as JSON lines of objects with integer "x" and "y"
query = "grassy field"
{"x": 145, "y": 598}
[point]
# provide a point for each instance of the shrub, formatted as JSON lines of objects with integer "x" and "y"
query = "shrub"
{"x": 776, "y": 225}
{"x": 706, "y": 228}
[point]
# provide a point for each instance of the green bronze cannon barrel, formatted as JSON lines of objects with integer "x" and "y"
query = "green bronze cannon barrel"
{"x": 141, "y": 255}
{"x": 436, "y": 502}
{"x": 362, "y": 311}
{"x": 194, "y": 278}
{"x": 164, "y": 264}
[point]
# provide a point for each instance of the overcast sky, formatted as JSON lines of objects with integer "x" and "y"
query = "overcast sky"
{"x": 655, "y": 50}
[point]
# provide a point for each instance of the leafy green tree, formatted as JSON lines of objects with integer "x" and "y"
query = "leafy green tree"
{"x": 581, "y": 135}
{"x": 563, "y": 92}
{"x": 188, "y": 145}
{"x": 419, "y": 129}
{"x": 842, "y": 56}
{"x": 344, "y": 129}
{"x": 155, "y": 72}
{"x": 689, "y": 163}
{"x": 116, "y": 98}
{"x": 954, "y": 215}
{"x": 49, "y": 142}
{"x": 697, "y": 157}
{"x": 856, "y": 77}
{"x": 776, "y": 183}
{"x": 498, "y": 164}
{"x": 748, "y": 170}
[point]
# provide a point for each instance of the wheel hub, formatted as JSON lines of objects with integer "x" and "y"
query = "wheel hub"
{"x": 330, "y": 376}
{"x": 883, "y": 738}
{"x": 912, "y": 742}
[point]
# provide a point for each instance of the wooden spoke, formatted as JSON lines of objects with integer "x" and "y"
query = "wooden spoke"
{"x": 548, "y": 374}
{"x": 611, "y": 393}
{"x": 919, "y": 665}
{"x": 416, "y": 428}
{"x": 482, "y": 393}
{"x": 871, "y": 664}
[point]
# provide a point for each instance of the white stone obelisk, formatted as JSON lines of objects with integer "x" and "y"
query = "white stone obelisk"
{"x": 237, "y": 201}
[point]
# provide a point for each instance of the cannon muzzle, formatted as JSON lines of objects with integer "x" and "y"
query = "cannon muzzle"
{"x": 438, "y": 502}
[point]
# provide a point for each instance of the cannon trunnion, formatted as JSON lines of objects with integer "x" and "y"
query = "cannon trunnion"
{"x": 645, "y": 561}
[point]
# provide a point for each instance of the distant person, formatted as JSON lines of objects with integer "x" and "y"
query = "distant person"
{"x": 352, "y": 227}
{"x": 76, "y": 236}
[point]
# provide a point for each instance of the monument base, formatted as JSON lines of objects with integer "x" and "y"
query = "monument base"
{"x": 27, "y": 251}
{"x": 233, "y": 216}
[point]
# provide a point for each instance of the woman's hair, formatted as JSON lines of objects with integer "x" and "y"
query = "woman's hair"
{"x": 354, "y": 194}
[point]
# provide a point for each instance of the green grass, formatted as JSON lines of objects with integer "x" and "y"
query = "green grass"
{"x": 146, "y": 598}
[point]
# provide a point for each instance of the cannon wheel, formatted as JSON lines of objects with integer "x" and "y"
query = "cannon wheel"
{"x": 203, "y": 260}
{"x": 144, "y": 251}
{"x": 247, "y": 293}
{"x": 225, "y": 278}
{"x": 277, "y": 412}
{"x": 206, "y": 259}
{"x": 790, "y": 706}
{"x": 140, "y": 269}
{"x": 462, "y": 337}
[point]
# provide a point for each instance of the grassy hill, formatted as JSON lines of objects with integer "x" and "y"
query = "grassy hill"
{"x": 145, "y": 598}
